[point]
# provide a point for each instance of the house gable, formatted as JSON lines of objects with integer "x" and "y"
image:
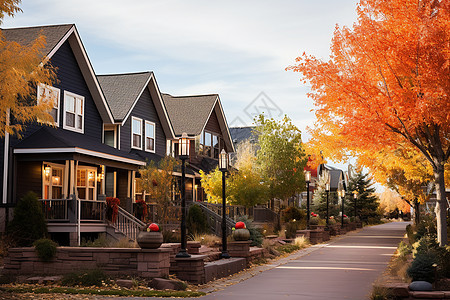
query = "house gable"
{"x": 145, "y": 110}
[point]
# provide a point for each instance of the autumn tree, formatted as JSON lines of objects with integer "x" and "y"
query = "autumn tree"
{"x": 157, "y": 180}
{"x": 22, "y": 68}
{"x": 281, "y": 158}
{"x": 387, "y": 82}
{"x": 244, "y": 185}
{"x": 391, "y": 201}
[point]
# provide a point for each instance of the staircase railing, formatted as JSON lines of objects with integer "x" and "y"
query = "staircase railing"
{"x": 128, "y": 224}
{"x": 215, "y": 220}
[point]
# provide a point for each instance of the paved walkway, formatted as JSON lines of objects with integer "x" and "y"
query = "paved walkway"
{"x": 343, "y": 269}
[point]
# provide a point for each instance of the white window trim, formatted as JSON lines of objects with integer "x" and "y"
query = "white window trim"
{"x": 44, "y": 86}
{"x": 52, "y": 165}
{"x": 87, "y": 169}
{"x": 107, "y": 127}
{"x": 154, "y": 136}
{"x": 82, "y": 116}
{"x": 142, "y": 129}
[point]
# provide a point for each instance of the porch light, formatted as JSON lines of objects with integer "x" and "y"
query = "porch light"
{"x": 100, "y": 177}
{"x": 47, "y": 170}
{"x": 223, "y": 160}
{"x": 183, "y": 146}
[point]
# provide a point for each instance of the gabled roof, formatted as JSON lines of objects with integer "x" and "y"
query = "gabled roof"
{"x": 191, "y": 113}
{"x": 54, "y": 140}
{"x": 25, "y": 36}
{"x": 122, "y": 92}
{"x": 56, "y": 36}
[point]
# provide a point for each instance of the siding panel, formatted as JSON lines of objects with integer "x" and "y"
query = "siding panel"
{"x": 145, "y": 110}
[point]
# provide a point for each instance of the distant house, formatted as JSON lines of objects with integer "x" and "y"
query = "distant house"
{"x": 202, "y": 118}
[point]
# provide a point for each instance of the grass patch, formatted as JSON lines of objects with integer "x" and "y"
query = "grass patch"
{"x": 85, "y": 278}
{"x": 104, "y": 292}
{"x": 288, "y": 248}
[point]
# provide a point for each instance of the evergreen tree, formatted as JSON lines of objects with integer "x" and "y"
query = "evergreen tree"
{"x": 366, "y": 201}
{"x": 320, "y": 201}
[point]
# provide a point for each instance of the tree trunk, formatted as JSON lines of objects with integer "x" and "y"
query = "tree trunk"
{"x": 441, "y": 204}
{"x": 416, "y": 212}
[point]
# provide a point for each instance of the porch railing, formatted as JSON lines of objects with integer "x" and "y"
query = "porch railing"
{"x": 232, "y": 211}
{"x": 93, "y": 210}
{"x": 215, "y": 220}
{"x": 65, "y": 210}
{"x": 55, "y": 210}
{"x": 128, "y": 224}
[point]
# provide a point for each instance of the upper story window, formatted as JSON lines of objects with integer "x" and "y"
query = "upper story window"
{"x": 149, "y": 136}
{"x": 49, "y": 93}
{"x": 73, "y": 112}
{"x": 209, "y": 144}
{"x": 110, "y": 135}
{"x": 136, "y": 133}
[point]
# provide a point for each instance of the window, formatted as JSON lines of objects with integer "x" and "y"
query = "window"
{"x": 73, "y": 112}
{"x": 49, "y": 93}
{"x": 149, "y": 136}
{"x": 215, "y": 144}
{"x": 136, "y": 133}
{"x": 207, "y": 144}
{"x": 87, "y": 183}
{"x": 52, "y": 176}
{"x": 110, "y": 138}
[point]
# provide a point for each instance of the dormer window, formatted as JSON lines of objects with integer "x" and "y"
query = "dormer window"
{"x": 49, "y": 93}
{"x": 136, "y": 133}
{"x": 73, "y": 112}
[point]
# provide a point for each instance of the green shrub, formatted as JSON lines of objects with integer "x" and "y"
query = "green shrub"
{"x": 426, "y": 226}
{"x": 45, "y": 248}
{"x": 410, "y": 234}
{"x": 423, "y": 267}
{"x": 288, "y": 248}
{"x": 404, "y": 249}
{"x": 171, "y": 237}
{"x": 28, "y": 224}
{"x": 100, "y": 242}
{"x": 85, "y": 278}
{"x": 196, "y": 220}
{"x": 255, "y": 235}
{"x": 291, "y": 229}
{"x": 293, "y": 213}
{"x": 314, "y": 221}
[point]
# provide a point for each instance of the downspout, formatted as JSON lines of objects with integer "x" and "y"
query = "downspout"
{"x": 6, "y": 160}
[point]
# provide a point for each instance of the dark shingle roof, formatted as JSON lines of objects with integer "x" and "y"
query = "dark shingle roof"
{"x": 122, "y": 90}
{"x": 189, "y": 113}
{"x": 26, "y": 35}
{"x": 47, "y": 137}
{"x": 240, "y": 134}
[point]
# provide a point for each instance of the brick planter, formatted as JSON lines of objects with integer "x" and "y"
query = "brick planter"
{"x": 316, "y": 236}
{"x": 335, "y": 229}
{"x": 305, "y": 233}
{"x": 147, "y": 263}
{"x": 191, "y": 269}
{"x": 325, "y": 235}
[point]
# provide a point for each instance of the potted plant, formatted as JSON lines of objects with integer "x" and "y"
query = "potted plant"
{"x": 314, "y": 222}
{"x": 240, "y": 232}
{"x": 150, "y": 238}
{"x": 112, "y": 209}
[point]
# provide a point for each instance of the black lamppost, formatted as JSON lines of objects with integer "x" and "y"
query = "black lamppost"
{"x": 327, "y": 188}
{"x": 355, "y": 197}
{"x": 223, "y": 167}
{"x": 308, "y": 213}
{"x": 183, "y": 150}
{"x": 342, "y": 194}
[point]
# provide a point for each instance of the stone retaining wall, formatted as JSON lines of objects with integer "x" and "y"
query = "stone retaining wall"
{"x": 147, "y": 263}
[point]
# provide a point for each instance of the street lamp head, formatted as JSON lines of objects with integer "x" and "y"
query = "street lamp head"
{"x": 308, "y": 176}
{"x": 355, "y": 194}
{"x": 223, "y": 161}
{"x": 327, "y": 187}
{"x": 183, "y": 146}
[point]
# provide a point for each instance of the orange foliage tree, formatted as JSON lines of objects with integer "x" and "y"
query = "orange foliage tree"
{"x": 22, "y": 68}
{"x": 387, "y": 82}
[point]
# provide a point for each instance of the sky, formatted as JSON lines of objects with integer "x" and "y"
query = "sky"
{"x": 237, "y": 49}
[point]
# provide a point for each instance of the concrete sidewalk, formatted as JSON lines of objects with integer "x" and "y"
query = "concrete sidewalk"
{"x": 345, "y": 268}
